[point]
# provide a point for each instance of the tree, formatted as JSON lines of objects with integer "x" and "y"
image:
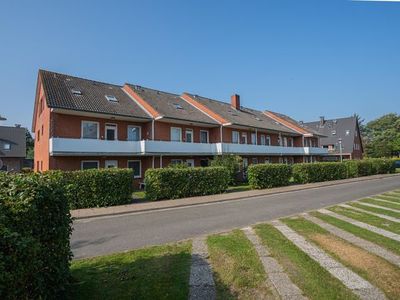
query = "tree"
{"x": 382, "y": 136}
{"x": 29, "y": 144}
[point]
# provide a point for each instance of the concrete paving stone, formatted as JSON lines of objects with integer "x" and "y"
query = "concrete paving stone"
{"x": 355, "y": 240}
{"x": 283, "y": 285}
{"x": 370, "y": 294}
{"x": 350, "y": 279}
{"x": 383, "y": 200}
{"x": 377, "y": 230}
{"x": 271, "y": 265}
{"x": 377, "y": 206}
{"x": 389, "y": 218}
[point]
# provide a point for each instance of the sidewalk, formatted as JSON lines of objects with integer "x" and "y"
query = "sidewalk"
{"x": 165, "y": 204}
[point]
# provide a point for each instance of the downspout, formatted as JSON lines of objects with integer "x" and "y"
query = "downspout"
{"x": 152, "y": 129}
{"x": 256, "y": 137}
{"x": 220, "y": 137}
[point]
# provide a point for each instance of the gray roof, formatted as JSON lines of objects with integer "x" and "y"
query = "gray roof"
{"x": 335, "y": 129}
{"x": 58, "y": 90}
{"x": 171, "y": 105}
{"x": 16, "y": 138}
{"x": 243, "y": 117}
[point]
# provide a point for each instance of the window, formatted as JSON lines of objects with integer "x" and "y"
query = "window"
{"x": 176, "y": 162}
{"x": 204, "y": 162}
{"x": 108, "y": 164}
{"x": 285, "y": 141}
{"x": 254, "y": 160}
{"x": 268, "y": 141}
{"x": 136, "y": 165}
{"x": 176, "y": 134}
{"x": 111, "y": 132}
{"x": 76, "y": 92}
{"x": 347, "y": 132}
{"x": 235, "y": 137}
{"x": 331, "y": 147}
{"x": 38, "y": 135}
{"x": 290, "y": 142}
{"x": 244, "y": 138}
{"x": 262, "y": 140}
{"x": 333, "y": 132}
{"x": 7, "y": 146}
{"x": 253, "y": 139}
{"x": 111, "y": 98}
{"x": 189, "y": 136}
{"x": 133, "y": 133}
{"x": 89, "y": 164}
{"x": 190, "y": 163}
{"x": 279, "y": 141}
{"x": 204, "y": 136}
{"x": 42, "y": 129}
{"x": 90, "y": 130}
{"x": 177, "y": 106}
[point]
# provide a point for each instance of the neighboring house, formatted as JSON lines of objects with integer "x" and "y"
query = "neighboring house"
{"x": 344, "y": 131}
{"x": 81, "y": 124}
{"x": 12, "y": 148}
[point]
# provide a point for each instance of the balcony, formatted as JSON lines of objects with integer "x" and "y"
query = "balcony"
{"x": 93, "y": 147}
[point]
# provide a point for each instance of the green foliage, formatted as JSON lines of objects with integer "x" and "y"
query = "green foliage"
{"x": 316, "y": 172}
{"x": 352, "y": 168}
{"x": 98, "y": 187}
{"x": 263, "y": 176}
{"x": 230, "y": 162}
{"x": 35, "y": 226}
{"x": 29, "y": 144}
{"x": 382, "y": 136}
{"x": 172, "y": 183}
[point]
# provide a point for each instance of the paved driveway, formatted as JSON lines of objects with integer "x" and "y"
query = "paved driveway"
{"x": 108, "y": 234}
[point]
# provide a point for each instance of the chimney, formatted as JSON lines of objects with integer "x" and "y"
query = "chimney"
{"x": 235, "y": 101}
{"x": 321, "y": 121}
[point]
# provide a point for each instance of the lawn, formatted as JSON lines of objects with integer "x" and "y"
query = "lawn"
{"x": 381, "y": 203}
{"x": 376, "y": 210}
{"x": 160, "y": 272}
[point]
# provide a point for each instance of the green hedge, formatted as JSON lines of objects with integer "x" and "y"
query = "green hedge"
{"x": 367, "y": 167}
{"x": 231, "y": 163}
{"x": 98, "y": 187}
{"x": 35, "y": 226}
{"x": 172, "y": 183}
{"x": 316, "y": 172}
{"x": 263, "y": 176}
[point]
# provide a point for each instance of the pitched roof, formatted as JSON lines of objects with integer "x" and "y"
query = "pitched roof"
{"x": 335, "y": 129}
{"x": 59, "y": 88}
{"x": 171, "y": 105}
{"x": 243, "y": 117}
{"x": 16, "y": 137}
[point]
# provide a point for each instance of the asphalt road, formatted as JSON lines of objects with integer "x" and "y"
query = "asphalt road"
{"x": 108, "y": 234}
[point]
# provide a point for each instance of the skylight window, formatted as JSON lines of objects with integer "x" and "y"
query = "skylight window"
{"x": 177, "y": 106}
{"x": 111, "y": 98}
{"x": 258, "y": 119}
{"x": 333, "y": 132}
{"x": 76, "y": 92}
{"x": 347, "y": 132}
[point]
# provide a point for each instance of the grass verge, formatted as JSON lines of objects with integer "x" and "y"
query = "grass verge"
{"x": 239, "y": 188}
{"x": 373, "y": 237}
{"x": 374, "y": 269}
{"x": 367, "y": 218}
{"x": 307, "y": 274}
{"x": 381, "y": 203}
{"x": 238, "y": 272}
{"x": 375, "y": 210}
{"x": 389, "y": 198}
{"x": 160, "y": 272}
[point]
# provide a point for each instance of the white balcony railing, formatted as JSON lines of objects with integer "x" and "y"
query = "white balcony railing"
{"x": 81, "y": 147}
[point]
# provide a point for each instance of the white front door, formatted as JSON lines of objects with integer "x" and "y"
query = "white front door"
{"x": 111, "y": 164}
{"x": 176, "y": 134}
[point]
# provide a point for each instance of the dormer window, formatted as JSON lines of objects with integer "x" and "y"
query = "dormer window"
{"x": 347, "y": 132}
{"x": 76, "y": 92}
{"x": 333, "y": 132}
{"x": 7, "y": 146}
{"x": 111, "y": 98}
{"x": 177, "y": 106}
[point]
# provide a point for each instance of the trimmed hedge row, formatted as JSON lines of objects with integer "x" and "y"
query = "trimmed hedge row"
{"x": 264, "y": 176}
{"x": 172, "y": 183}
{"x": 35, "y": 226}
{"x": 98, "y": 187}
{"x": 316, "y": 172}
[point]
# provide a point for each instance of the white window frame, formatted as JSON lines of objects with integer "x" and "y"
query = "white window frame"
{"x": 285, "y": 141}
{"x": 140, "y": 132}
{"x": 180, "y": 134}
{"x": 253, "y": 135}
{"x": 98, "y": 129}
{"x": 208, "y": 136}
{"x": 140, "y": 167}
{"x": 238, "y": 137}
{"x": 8, "y": 148}
{"x": 263, "y": 141}
{"x": 90, "y": 161}
{"x": 268, "y": 140}
{"x": 176, "y": 161}
{"x": 291, "y": 141}
{"x": 110, "y": 160}
{"x": 244, "y": 135}
{"x": 111, "y": 125}
{"x": 190, "y": 160}
{"x": 187, "y": 130}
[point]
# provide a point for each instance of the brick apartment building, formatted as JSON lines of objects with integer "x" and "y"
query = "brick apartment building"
{"x": 80, "y": 123}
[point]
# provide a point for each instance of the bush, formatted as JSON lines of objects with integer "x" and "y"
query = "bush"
{"x": 352, "y": 168}
{"x": 172, "y": 183}
{"x": 231, "y": 163}
{"x": 35, "y": 226}
{"x": 98, "y": 187}
{"x": 263, "y": 176}
{"x": 316, "y": 172}
{"x": 367, "y": 167}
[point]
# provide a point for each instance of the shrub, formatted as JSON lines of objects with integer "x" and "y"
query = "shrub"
{"x": 231, "y": 163}
{"x": 263, "y": 176}
{"x": 98, "y": 187}
{"x": 35, "y": 226}
{"x": 321, "y": 171}
{"x": 172, "y": 183}
{"x": 367, "y": 167}
{"x": 352, "y": 168}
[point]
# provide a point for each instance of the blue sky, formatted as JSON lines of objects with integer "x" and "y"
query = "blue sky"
{"x": 302, "y": 58}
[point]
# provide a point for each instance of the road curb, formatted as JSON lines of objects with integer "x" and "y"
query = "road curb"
{"x": 129, "y": 209}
